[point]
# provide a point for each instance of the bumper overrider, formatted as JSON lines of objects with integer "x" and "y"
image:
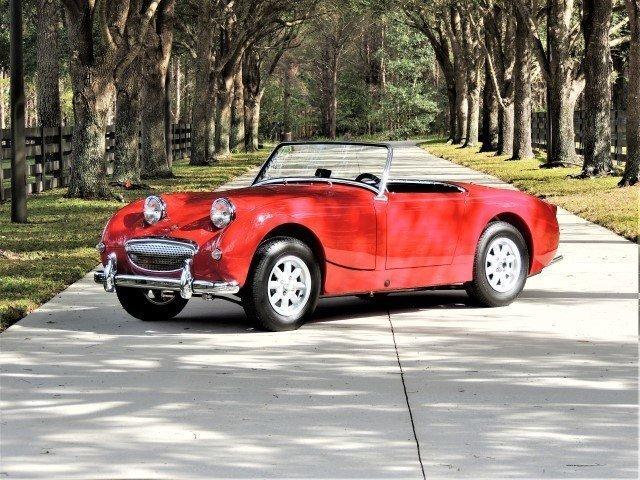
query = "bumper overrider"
{"x": 186, "y": 284}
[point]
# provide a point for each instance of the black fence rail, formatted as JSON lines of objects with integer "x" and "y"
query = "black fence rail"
{"x": 48, "y": 152}
{"x": 618, "y": 132}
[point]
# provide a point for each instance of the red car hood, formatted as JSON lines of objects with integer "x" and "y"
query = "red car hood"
{"x": 188, "y": 212}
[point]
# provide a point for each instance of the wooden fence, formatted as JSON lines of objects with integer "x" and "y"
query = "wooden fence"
{"x": 48, "y": 152}
{"x": 618, "y": 132}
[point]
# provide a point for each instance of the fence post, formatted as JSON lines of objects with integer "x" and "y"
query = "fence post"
{"x": 59, "y": 172}
{"x": 18, "y": 157}
{"x": 2, "y": 199}
{"x": 39, "y": 165}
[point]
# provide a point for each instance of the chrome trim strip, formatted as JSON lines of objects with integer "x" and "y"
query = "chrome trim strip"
{"x": 182, "y": 243}
{"x": 555, "y": 260}
{"x": 286, "y": 180}
{"x": 385, "y": 175}
{"x": 199, "y": 287}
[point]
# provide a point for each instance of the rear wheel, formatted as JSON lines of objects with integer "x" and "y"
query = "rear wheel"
{"x": 150, "y": 305}
{"x": 283, "y": 287}
{"x": 500, "y": 267}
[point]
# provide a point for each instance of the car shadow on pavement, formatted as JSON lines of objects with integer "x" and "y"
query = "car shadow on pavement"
{"x": 103, "y": 389}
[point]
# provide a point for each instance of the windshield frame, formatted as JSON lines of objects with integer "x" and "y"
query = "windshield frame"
{"x": 380, "y": 191}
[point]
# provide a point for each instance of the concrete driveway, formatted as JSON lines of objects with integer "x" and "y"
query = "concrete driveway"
{"x": 422, "y": 385}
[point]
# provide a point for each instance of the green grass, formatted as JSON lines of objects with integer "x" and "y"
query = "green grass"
{"x": 56, "y": 247}
{"x": 598, "y": 200}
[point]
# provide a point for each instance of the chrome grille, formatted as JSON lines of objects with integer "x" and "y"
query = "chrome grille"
{"x": 159, "y": 255}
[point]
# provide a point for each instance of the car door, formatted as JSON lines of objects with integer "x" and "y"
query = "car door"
{"x": 423, "y": 228}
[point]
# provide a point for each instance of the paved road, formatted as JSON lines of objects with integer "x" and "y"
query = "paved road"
{"x": 544, "y": 388}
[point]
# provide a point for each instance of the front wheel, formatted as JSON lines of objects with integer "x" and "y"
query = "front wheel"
{"x": 150, "y": 305}
{"x": 283, "y": 286}
{"x": 500, "y": 267}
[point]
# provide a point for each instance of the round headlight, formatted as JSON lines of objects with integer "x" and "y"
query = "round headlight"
{"x": 154, "y": 209}
{"x": 222, "y": 212}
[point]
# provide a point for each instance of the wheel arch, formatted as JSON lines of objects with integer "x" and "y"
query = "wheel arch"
{"x": 519, "y": 224}
{"x": 299, "y": 232}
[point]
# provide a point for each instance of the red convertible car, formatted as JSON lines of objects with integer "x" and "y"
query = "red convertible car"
{"x": 323, "y": 219}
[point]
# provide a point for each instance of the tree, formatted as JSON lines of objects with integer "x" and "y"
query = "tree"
{"x": 225, "y": 30}
{"x": 430, "y": 24}
{"x": 156, "y": 54}
{"x": 522, "y": 93}
{"x": 201, "y": 44}
{"x": 104, "y": 38}
{"x": 490, "y": 112}
{"x": 335, "y": 27}
{"x": 500, "y": 58}
{"x": 631, "y": 174}
{"x": 562, "y": 72}
{"x": 126, "y": 155}
{"x": 474, "y": 61}
{"x": 48, "y": 59}
{"x": 454, "y": 31}
{"x": 596, "y": 21}
{"x": 237, "y": 112}
{"x": 260, "y": 61}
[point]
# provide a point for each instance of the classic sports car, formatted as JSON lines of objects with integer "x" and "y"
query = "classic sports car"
{"x": 323, "y": 219}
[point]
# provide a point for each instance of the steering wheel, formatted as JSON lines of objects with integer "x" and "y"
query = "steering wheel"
{"x": 368, "y": 179}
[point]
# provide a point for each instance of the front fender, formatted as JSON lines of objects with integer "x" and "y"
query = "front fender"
{"x": 347, "y": 232}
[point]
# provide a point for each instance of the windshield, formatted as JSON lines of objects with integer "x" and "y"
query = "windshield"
{"x": 364, "y": 163}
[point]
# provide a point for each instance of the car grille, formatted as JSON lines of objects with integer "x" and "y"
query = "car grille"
{"x": 159, "y": 255}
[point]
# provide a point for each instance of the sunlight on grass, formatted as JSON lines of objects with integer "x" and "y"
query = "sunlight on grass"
{"x": 598, "y": 200}
{"x": 56, "y": 247}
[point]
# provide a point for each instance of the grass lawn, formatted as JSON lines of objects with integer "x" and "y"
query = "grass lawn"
{"x": 56, "y": 247}
{"x": 598, "y": 199}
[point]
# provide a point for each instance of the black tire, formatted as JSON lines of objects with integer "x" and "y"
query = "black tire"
{"x": 480, "y": 289}
{"x": 137, "y": 304}
{"x": 255, "y": 296}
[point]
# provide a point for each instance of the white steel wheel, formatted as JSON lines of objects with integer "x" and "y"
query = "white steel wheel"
{"x": 503, "y": 264}
{"x": 289, "y": 286}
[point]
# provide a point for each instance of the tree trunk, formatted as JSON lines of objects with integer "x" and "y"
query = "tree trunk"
{"x": 223, "y": 117}
{"x": 562, "y": 149}
{"x": 203, "y": 98}
{"x": 126, "y": 165}
{"x": 286, "y": 96}
{"x": 473, "y": 111}
{"x": 252, "y": 121}
{"x": 506, "y": 127}
{"x": 153, "y": 155}
{"x": 92, "y": 97}
{"x": 522, "y": 103}
{"x": 489, "y": 115}
{"x": 237, "y": 112}
{"x": 596, "y": 22}
{"x": 185, "y": 95}
{"x": 632, "y": 167}
{"x": 252, "y": 97}
{"x": 332, "y": 99}
{"x": 451, "y": 100}
{"x": 461, "y": 104}
{"x": 48, "y": 59}
{"x": 176, "y": 86}
{"x": 3, "y": 112}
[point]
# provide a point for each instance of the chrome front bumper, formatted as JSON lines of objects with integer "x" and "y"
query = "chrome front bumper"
{"x": 186, "y": 285}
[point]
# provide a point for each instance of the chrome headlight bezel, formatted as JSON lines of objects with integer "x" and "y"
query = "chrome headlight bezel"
{"x": 154, "y": 210}
{"x": 222, "y": 212}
